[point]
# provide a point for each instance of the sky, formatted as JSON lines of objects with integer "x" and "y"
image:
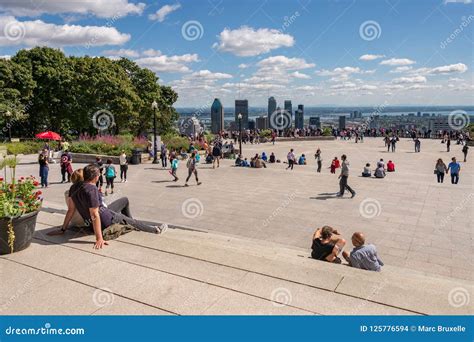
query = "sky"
{"x": 314, "y": 52}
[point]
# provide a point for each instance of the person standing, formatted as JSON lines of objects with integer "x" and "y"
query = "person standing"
{"x": 291, "y": 159}
{"x": 455, "y": 168}
{"x": 191, "y": 164}
{"x": 343, "y": 178}
{"x": 216, "y": 154}
{"x": 43, "y": 167}
{"x": 465, "y": 149}
{"x": 164, "y": 156}
{"x": 110, "y": 175}
{"x": 100, "y": 165}
{"x": 448, "y": 145}
{"x": 123, "y": 167}
{"x": 66, "y": 166}
{"x": 393, "y": 143}
{"x": 440, "y": 169}
{"x": 319, "y": 161}
{"x": 174, "y": 168}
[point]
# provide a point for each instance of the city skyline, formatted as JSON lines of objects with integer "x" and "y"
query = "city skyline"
{"x": 356, "y": 53}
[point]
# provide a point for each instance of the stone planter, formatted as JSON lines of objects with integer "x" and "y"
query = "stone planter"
{"x": 23, "y": 227}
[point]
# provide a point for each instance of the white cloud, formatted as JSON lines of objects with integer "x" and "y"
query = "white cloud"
{"x": 247, "y": 41}
{"x": 37, "y": 32}
{"x": 401, "y": 69}
{"x": 409, "y": 80}
{"x": 5, "y": 57}
{"x": 448, "y": 69}
{"x": 368, "y": 87}
{"x": 243, "y": 66}
{"x": 344, "y": 86}
{"x": 98, "y": 8}
{"x": 152, "y": 53}
{"x": 284, "y": 63}
{"x": 397, "y": 61}
{"x": 369, "y": 57}
{"x": 465, "y": 2}
{"x": 208, "y": 75}
{"x": 300, "y": 75}
{"x": 121, "y": 53}
{"x": 166, "y": 63}
{"x": 161, "y": 14}
{"x": 343, "y": 72}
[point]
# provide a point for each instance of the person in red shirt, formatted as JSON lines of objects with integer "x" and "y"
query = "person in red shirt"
{"x": 335, "y": 165}
{"x": 390, "y": 166}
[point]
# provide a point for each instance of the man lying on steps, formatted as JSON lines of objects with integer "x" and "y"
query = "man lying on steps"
{"x": 85, "y": 197}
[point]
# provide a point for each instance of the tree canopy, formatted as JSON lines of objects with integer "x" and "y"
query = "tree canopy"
{"x": 44, "y": 89}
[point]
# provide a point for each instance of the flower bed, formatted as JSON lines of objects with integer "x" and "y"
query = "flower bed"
{"x": 107, "y": 144}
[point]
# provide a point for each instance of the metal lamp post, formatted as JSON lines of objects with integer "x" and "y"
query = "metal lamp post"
{"x": 8, "y": 114}
{"x": 154, "y": 106}
{"x": 240, "y": 132}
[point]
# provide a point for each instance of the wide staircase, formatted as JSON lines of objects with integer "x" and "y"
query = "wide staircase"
{"x": 191, "y": 272}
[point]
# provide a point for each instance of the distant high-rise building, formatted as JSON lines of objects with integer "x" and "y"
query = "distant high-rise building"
{"x": 342, "y": 122}
{"x": 190, "y": 127}
{"x": 418, "y": 114}
{"x": 288, "y": 107}
{"x": 251, "y": 124}
{"x": 299, "y": 117}
{"x": 315, "y": 122}
{"x": 272, "y": 106}
{"x": 261, "y": 122}
{"x": 242, "y": 107}
{"x": 217, "y": 117}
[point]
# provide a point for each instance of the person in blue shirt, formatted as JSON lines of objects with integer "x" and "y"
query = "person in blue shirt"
{"x": 455, "y": 168}
{"x": 302, "y": 160}
{"x": 264, "y": 156}
{"x": 363, "y": 256}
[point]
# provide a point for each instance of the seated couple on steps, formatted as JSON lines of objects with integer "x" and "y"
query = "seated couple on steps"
{"x": 328, "y": 243}
{"x": 86, "y": 208}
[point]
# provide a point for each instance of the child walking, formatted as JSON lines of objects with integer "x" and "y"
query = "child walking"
{"x": 110, "y": 175}
{"x": 174, "y": 168}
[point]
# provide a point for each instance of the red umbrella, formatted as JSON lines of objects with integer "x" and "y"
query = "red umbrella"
{"x": 48, "y": 136}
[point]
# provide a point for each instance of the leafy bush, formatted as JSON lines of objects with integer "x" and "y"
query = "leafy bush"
{"x": 266, "y": 133}
{"x": 176, "y": 142}
{"x": 107, "y": 144}
{"x": 327, "y": 131}
{"x": 26, "y": 147}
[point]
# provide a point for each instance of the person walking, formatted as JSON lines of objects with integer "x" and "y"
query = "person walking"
{"x": 110, "y": 175}
{"x": 291, "y": 159}
{"x": 319, "y": 160}
{"x": 216, "y": 154}
{"x": 343, "y": 178}
{"x": 393, "y": 143}
{"x": 465, "y": 149}
{"x": 123, "y": 167}
{"x": 455, "y": 168}
{"x": 448, "y": 145}
{"x": 440, "y": 170}
{"x": 417, "y": 145}
{"x": 191, "y": 165}
{"x": 174, "y": 168}
{"x": 43, "y": 167}
{"x": 164, "y": 156}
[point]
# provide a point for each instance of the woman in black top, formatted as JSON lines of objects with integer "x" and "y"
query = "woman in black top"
{"x": 327, "y": 243}
{"x": 43, "y": 168}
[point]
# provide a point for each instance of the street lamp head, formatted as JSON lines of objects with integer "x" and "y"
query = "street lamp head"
{"x": 154, "y": 105}
{"x": 239, "y": 116}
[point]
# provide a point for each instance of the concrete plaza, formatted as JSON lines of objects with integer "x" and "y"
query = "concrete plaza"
{"x": 259, "y": 223}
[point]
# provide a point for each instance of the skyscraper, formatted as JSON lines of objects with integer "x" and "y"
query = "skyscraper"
{"x": 272, "y": 106}
{"x": 342, "y": 122}
{"x": 242, "y": 107}
{"x": 217, "y": 116}
{"x": 289, "y": 107}
{"x": 299, "y": 117}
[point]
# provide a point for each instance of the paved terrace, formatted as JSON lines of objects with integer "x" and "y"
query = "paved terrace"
{"x": 242, "y": 245}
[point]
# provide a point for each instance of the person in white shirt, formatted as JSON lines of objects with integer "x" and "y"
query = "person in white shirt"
{"x": 123, "y": 167}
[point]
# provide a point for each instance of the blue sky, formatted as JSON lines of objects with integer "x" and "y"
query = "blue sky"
{"x": 343, "y": 52}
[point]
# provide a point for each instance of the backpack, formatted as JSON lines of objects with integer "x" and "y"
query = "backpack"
{"x": 110, "y": 172}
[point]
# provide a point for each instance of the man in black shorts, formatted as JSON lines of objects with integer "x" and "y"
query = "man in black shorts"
{"x": 84, "y": 196}
{"x": 216, "y": 153}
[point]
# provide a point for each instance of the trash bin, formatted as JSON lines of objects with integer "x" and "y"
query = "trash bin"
{"x": 136, "y": 156}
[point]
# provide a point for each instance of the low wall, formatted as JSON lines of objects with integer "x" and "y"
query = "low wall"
{"x": 90, "y": 158}
{"x": 320, "y": 137}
